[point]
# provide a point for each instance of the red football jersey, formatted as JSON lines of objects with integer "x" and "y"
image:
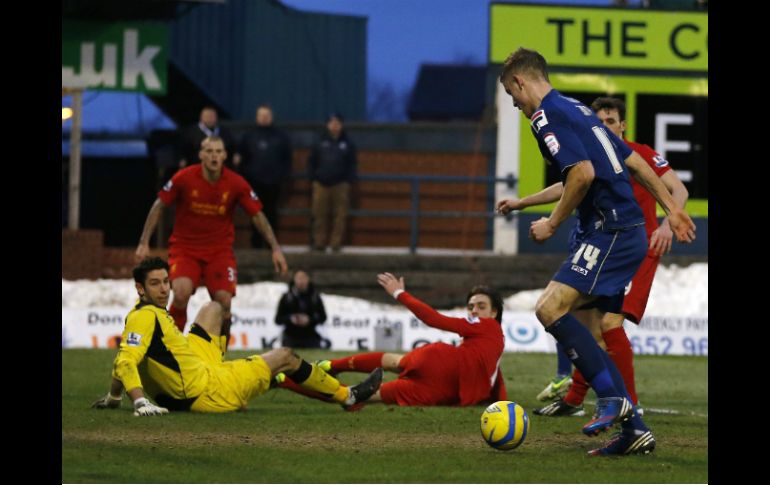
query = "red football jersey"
{"x": 204, "y": 211}
{"x": 645, "y": 199}
{"x": 479, "y": 354}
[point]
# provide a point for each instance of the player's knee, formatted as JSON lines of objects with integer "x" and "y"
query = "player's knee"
{"x": 544, "y": 312}
{"x": 213, "y": 307}
{"x": 181, "y": 297}
{"x": 288, "y": 357}
{"x": 390, "y": 362}
{"x": 611, "y": 321}
{"x": 209, "y": 317}
{"x": 282, "y": 360}
{"x": 225, "y": 301}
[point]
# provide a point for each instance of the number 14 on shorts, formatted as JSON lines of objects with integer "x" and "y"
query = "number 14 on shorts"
{"x": 591, "y": 255}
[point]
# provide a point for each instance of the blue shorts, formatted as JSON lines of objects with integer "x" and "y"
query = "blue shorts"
{"x": 603, "y": 263}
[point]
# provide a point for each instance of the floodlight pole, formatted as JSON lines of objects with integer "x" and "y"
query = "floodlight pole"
{"x": 74, "y": 183}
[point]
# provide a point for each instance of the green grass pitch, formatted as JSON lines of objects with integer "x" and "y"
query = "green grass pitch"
{"x": 286, "y": 438}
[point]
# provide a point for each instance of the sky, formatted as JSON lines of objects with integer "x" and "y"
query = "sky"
{"x": 401, "y": 35}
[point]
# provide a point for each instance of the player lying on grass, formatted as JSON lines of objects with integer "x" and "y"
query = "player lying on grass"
{"x": 438, "y": 374}
{"x": 189, "y": 373}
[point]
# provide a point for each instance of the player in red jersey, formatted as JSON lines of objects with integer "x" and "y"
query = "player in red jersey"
{"x": 609, "y": 329}
{"x": 201, "y": 244}
{"x": 438, "y": 374}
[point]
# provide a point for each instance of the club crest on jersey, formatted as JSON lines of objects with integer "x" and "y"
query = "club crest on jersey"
{"x": 539, "y": 120}
{"x": 552, "y": 143}
{"x": 134, "y": 339}
{"x": 168, "y": 186}
{"x": 472, "y": 319}
{"x": 660, "y": 161}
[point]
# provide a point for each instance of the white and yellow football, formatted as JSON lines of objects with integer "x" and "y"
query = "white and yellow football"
{"x": 504, "y": 425}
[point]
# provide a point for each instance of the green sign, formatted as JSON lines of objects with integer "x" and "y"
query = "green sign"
{"x": 115, "y": 56}
{"x": 602, "y": 37}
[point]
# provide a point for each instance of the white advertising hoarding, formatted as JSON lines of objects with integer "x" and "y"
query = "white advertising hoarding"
{"x": 255, "y": 329}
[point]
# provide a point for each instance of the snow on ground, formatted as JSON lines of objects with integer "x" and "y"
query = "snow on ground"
{"x": 677, "y": 291}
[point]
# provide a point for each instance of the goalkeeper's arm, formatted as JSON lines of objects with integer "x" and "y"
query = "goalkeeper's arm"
{"x": 113, "y": 398}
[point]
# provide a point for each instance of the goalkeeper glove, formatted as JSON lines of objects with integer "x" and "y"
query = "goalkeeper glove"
{"x": 143, "y": 407}
{"x": 108, "y": 401}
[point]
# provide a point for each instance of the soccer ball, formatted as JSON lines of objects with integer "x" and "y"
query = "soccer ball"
{"x": 504, "y": 425}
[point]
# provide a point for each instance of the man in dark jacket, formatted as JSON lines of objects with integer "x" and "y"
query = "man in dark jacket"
{"x": 265, "y": 163}
{"x": 300, "y": 310}
{"x": 332, "y": 168}
{"x": 189, "y": 144}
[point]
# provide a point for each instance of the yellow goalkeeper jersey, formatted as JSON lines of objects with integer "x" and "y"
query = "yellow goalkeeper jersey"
{"x": 157, "y": 357}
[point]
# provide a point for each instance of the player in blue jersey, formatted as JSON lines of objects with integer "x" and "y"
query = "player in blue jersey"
{"x": 607, "y": 244}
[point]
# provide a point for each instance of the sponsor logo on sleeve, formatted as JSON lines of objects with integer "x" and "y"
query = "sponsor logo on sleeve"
{"x": 168, "y": 186}
{"x": 552, "y": 143}
{"x": 134, "y": 339}
{"x": 539, "y": 120}
{"x": 253, "y": 195}
{"x": 472, "y": 319}
{"x": 660, "y": 162}
{"x": 585, "y": 109}
{"x": 580, "y": 270}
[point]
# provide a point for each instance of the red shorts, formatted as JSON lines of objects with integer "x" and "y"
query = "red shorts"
{"x": 638, "y": 291}
{"x": 429, "y": 378}
{"x": 213, "y": 268}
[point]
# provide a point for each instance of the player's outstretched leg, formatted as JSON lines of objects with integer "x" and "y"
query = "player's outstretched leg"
{"x": 365, "y": 362}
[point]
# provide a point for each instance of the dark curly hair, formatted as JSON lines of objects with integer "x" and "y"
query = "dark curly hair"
{"x": 147, "y": 265}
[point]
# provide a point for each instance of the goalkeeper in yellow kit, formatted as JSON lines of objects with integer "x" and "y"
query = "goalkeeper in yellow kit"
{"x": 189, "y": 373}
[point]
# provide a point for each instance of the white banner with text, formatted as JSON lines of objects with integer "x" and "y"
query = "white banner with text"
{"x": 399, "y": 331}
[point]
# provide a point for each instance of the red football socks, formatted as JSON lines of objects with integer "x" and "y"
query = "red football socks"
{"x": 357, "y": 363}
{"x": 578, "y": 390}
{"x": 619, "y": 348}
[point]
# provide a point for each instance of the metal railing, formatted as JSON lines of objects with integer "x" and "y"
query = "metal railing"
{"x": 414, "y": 213}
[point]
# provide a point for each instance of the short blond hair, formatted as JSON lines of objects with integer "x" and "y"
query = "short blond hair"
{"x": 527, "y": 61}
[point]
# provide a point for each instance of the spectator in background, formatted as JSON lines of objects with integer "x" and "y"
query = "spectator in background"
{"x": 190, "y": 139}
{"x": 299, "y": 311}
{"x": 265, "y": 163}
{"x": 332, "y": 168}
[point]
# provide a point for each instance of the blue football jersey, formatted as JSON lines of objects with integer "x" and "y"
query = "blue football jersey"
{"x": 568, "y": 132}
